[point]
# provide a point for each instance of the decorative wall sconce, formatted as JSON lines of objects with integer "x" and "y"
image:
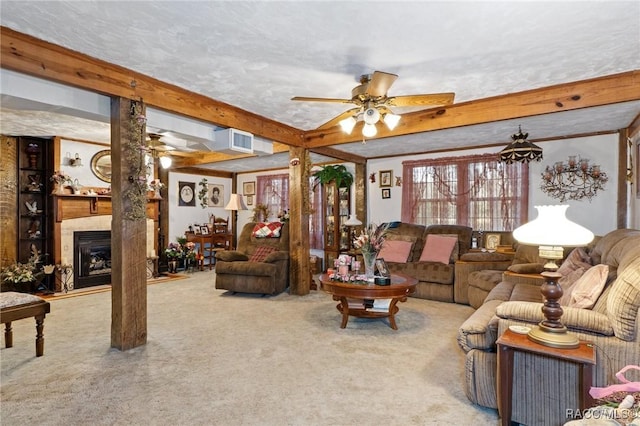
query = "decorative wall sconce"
{"x": 74, "y": 161}
{"x": 573, "y": 180}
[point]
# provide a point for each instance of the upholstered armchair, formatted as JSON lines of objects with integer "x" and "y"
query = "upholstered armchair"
{"x": 260, "y": 264}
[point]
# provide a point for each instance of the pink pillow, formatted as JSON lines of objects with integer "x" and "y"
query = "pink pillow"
{"x": 438, "y": 248}
{"x": 587, "y": 289}
{"x": 578, "y": 258}
{"x": 395, "y": 251}
{"x": 567, "y": 282}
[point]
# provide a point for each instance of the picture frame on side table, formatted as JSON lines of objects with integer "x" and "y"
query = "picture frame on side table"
{"x": 204, "y": 230}
{"x": 249, "y": 188}
{"x": 386, "y": 176}
{"x": 492, "y": 241}
{"x": 386, "y": 193}
{"x": 382, "y": 268}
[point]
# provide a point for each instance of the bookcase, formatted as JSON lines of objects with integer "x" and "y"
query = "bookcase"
{"x": 336, "y": 205}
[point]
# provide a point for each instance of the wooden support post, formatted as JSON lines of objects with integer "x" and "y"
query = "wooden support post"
{"x": 128, "y": 238}
{"x": 299, "y": 267}
{"x": 361, "y": 192}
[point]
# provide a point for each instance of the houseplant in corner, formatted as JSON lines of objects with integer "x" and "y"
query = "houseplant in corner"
{"x": 337, "y": 173}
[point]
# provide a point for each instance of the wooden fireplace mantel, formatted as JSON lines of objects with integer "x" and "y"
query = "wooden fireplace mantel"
{"x": 72, "y": 206}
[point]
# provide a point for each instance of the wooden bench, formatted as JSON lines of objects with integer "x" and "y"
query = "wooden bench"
{"x": 15, "y": 306}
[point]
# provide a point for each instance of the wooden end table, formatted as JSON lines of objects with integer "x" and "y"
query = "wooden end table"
{"x": 401, "y": 286}
{"x": 584, "y": 355}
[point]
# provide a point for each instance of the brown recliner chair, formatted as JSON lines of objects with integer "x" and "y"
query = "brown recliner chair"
{"x": 235, "y": 271}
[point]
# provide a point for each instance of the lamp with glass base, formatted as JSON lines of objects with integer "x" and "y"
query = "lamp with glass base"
{"x": 552, "y": 231}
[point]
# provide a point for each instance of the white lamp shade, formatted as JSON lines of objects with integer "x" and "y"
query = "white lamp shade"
{"x": 165, "y": 161}
{"x": 552, "y": 228}
{"x": 235, "y": 203}
{"x": 371, "y": 115}
{"x": 347, "y": 124}
{"x": 369, "y": 130}
{"x": 352, "y": 221}
{"x": 391, "y": 120}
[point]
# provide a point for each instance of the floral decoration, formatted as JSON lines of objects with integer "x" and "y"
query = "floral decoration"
{"x": 135, "y": 149}
{"x": 59, "y": 177}
{"x": 203, "y": 192}
{"x": 21, "y": 272}
{"x": 156, "y": 185}
{"x": 371, "y": 239}
{"x": 173, "y": 251}
{"x": 283, "y": 216}
{"x": 190, "y": 252}
{"x": 260, "y": 212}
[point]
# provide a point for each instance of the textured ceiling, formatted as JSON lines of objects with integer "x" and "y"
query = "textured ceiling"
{"x": 257, "y": 55}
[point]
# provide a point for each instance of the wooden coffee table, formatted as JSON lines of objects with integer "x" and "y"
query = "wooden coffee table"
{"x": 401, "y": 286}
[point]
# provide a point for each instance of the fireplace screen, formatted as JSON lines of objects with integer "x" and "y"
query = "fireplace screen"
{"x": 92, "y": 258}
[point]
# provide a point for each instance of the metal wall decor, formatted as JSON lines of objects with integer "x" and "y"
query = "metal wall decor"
{"x": 574, "y": 180}
{"x": 520, "y": 150}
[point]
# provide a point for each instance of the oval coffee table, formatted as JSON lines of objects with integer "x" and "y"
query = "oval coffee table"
{"x": 401, "y": 286}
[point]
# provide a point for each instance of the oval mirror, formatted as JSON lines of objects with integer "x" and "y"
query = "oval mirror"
{"x": 101, "y": 165}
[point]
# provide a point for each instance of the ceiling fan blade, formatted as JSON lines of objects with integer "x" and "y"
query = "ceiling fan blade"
{"x": 334, "y": 121}
{"x": 421, "y": 100}
{"x": 306, "y": 99}
{"x": 380, "y": 83}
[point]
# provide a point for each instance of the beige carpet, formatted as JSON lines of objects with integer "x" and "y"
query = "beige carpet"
{"x": 217, "y": 358}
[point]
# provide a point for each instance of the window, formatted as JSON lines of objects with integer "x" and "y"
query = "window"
{"x": 476, "y": 191}
{"x": 273, "y": 191}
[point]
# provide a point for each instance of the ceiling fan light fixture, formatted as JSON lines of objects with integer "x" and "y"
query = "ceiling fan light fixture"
{"x": 165, "y": 161}
{"x": 369, "y": 130}
{"x": 371, "y": 115}
{"x": 348, "y": 124}
{"x": 391, "y": 120}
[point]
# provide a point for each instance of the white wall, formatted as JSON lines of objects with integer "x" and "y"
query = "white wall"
{"x": 599, "y": 215}
{"x": 86, "y": 151}
{"x": 180, "y": 217}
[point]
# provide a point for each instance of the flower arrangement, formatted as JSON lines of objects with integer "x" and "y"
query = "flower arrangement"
{"x": 156, "y": 185}
{"x": 173, "y": 251}
{"x": 260, "y": 212}
{"x": 190, "y": 252}
{"x": 21, "y": 272}
{"x": 371, "y": 239}
{"x": 59, "y": 177}
{"x": 283, "y": 216}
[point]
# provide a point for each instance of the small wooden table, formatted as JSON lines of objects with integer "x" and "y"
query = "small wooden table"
{"x": 213, "y": 240}
{"x": 584, "y": 355}
{"x": 401, "y": 286}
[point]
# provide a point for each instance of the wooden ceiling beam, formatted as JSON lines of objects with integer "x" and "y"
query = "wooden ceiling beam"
{"x": 340, "y": 155}
{"x": 215, "y": 157}
{"x": 38, "y": 58}
{"x": 594, "y": 92}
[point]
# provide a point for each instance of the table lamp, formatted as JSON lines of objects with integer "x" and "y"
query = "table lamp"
{"x": 552, "y": 231}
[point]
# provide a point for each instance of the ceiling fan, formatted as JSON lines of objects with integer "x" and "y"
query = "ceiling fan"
{"x": 373, "y": 104}
{"x": 159, "y": 149}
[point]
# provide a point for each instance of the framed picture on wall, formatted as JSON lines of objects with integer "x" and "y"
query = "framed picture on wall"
{"x": 187, "y": 194}
{"x": 249, "y": 188}
{"x": 385, "y": 178}
{"x": 216, "y": 195}
{"x": 249, "y": 200}
{"x": 386, "y": 193}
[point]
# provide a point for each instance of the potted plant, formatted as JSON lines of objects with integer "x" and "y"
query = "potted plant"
{"x": 21, "y": 277}
{"x": 337, "y": 173}
{"x": 173, "y": 253}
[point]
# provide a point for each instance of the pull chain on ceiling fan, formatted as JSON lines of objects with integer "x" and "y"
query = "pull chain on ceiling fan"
{"x": 373, "y": 104}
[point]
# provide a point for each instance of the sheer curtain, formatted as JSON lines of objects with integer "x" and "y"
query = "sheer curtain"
{"x": 477, "y": 191}
{"x": 273, "y": 191}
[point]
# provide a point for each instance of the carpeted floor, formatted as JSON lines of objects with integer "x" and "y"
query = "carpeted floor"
{"x": 217, "y": 358}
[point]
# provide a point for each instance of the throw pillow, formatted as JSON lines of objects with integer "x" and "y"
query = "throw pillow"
{"x": 578, "y": 258}
{"x": 526, "y": 268}
{"x": 438, "y": 248}
{"x": 455, "y": 253}
{"x": 395, "y": 251}
{"x": 587, "y": 289}
{"x": 267, "y": 230}
{"x": 261, "y": 253}
{"x": 567, "y": 282}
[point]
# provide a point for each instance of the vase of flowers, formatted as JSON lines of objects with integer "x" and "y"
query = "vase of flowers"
{"x": 20, "y": 277}
{"x": 59, "y": 179}
{"x": 155, "y": 186}
{"x": 173, "y": 253}
{"x": 190, "y": 255}
{"x": 370, "y": 242}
